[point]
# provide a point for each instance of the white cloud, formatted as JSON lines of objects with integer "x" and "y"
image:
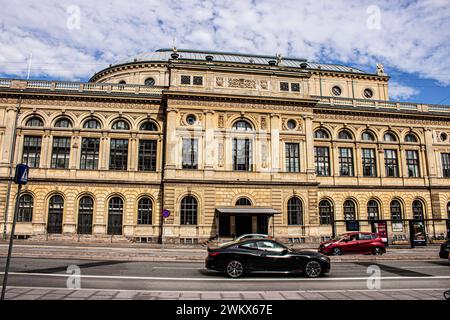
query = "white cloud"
{"x": 399, "y": 91}
{"x": 414, "y": 36}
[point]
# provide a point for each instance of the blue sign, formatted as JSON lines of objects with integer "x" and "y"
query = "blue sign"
{"x": 21, "y": 176}
{"x": 166, "y": 213}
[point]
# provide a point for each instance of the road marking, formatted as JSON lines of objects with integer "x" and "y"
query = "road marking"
{"x": 58, "y": 275}
{"x": 227, "y": 292}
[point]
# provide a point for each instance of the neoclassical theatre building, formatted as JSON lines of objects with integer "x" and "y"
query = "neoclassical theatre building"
{"x": 228, "y": 144}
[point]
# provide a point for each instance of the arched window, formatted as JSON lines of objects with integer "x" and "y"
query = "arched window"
{"x": 373, "y": 210}
{"x": 295, "y": 211}
{"x": 390, "y": 137}
{"x": 55, "y": 214}
{"x": 115, "y": 216}
{"x": 321, "y": 134}
{"x": 345, "y": 135}
{"x": 396, "y": 211}
{"x": 367, "y": 136}
{"x": 417, "y": 208}
{"x": 25, "y": 213}
{"x": 120, "y": 125}
{"x": 349, "y": 210}
{"x": 410, "y": 137}
{"x": 243, "y": 202}
{"x": 63, "y": 123}
{"x": 92, "y": 124}
{"x": 326, "y": 213}
{"x": 448, "y": 211}
{"x": 122, "y": 82}
{"x": 145, "y": 207}
{"x": 85, "y": 215}
{"x": 148, "y": 126}
{"x": 189, "y": 211}
{"x": 35, "y": 122}
{"x": 242, "y": 125}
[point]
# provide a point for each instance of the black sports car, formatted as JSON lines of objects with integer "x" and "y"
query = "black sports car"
{"x": 263, "y": 255}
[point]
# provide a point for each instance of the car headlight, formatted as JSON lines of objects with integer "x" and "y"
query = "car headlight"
{"x": 327, "y": 245}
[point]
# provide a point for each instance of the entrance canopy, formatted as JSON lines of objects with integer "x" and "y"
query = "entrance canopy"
{"x": 254, "y": 211}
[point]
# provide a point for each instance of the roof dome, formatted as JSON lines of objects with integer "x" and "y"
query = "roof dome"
{"x": 164, "y": 55}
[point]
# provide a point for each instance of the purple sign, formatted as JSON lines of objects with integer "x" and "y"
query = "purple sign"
{"x": 166, "y": 213}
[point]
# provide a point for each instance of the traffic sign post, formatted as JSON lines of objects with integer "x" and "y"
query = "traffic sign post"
{"x": 20, "y": 178}
{"x": 165, "y": 215}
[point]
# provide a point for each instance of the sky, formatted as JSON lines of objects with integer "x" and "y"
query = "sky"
{"x": 71, "y": 40}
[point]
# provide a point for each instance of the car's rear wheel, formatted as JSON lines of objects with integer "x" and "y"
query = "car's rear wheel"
{"x": 337, "y": 252}
{"x": 313, "y": 269}
{"x": 377, "y": 251}
{"x": 235, "y": 269}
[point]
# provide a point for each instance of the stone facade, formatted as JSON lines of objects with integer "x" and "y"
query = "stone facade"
{"x": 203, "y": 101}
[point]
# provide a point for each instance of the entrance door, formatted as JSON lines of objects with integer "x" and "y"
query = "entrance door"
{"x": 243, "y": 225}
{"x": 224, "y": 226}
{"x": 263, "y": 224}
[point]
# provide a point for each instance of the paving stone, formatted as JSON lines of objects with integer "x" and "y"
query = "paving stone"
{"x": 28, "y": 297}
{"x": 272, "y": 296}
{"x": 125, "y": 295}
{"x": 292, "y": 295}
{"x": 188, "y": 296}
{"x": 19, "y": 290}
{"x": 231, "y": 295}
{"x": 39, "y": 291}
{"x": 312, "y": 296}
{"x": 334, "y": 295}
{"x": 211, "y": 296}
{"x": 51, "y": 297}
{"x": 81, "y": 293}
{"x": 251, "y": 295}
{"x": 98, "y": 297}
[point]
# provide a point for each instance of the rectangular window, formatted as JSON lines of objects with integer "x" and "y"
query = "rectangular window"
{"x": 89, "y": 153}
{"x": 295, "y": 87}
{"x": 369, "y": 163}
{"x": 412, "y": 162}
{"x": 147, "y": 155}
{"x": 32, "y": 151}
{"x": 446, "y": 165}
{"x": 391, "y": 163}
{"x": 242, "y": 155}
{"x": 190, "y": 154}
{"x": 346, "y": 162}
{"x": 118, "y": 155}
{"x": 322, "y": 160}
{"x": 61, "y": 153}
{"x": 198, "y": 81}
{"x": 185, "y": 79}
{"x": 292, "y": 157}
{"x": 284, "y": 86}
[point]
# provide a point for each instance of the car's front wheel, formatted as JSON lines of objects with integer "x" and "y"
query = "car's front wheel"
{"x": 313, "y": 269}
{"x": 377, "y": 251}
{"x": 235, "y": 269}
{"x": 337, "y": 252}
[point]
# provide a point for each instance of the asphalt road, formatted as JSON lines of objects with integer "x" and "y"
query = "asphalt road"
{"x": 181, "y": 276}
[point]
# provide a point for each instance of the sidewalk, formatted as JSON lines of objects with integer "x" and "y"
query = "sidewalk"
{"x": 150, "y": 253}
{"x": 16, "y": 293}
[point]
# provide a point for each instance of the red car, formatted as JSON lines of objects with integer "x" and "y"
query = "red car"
{"x": 354, "y": 242}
